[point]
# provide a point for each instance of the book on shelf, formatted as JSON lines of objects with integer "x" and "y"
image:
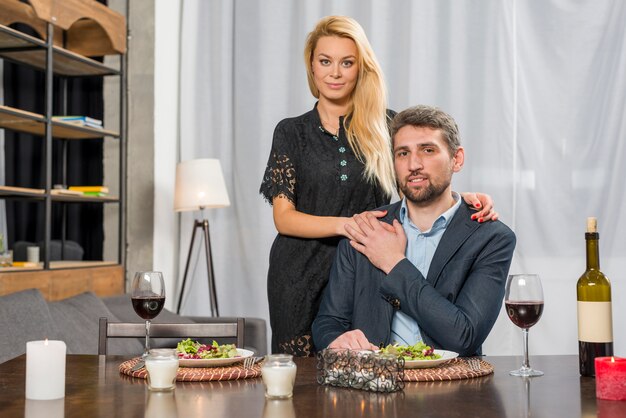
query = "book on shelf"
{"x": 93, "y": 189}
{"x": 80, "y": 120}
{"x": 66, "y": 192}
{"x": 96, "y": 194}
{"x": 24, "y": 264}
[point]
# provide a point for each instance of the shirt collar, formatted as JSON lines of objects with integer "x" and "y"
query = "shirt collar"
{"x": 441, "y": 222}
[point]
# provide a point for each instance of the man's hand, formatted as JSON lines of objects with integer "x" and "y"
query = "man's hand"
{"x": 383, "y": 244}
{"x": 353, "y": 340}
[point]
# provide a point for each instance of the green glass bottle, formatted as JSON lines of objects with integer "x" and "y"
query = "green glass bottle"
{"x": 595, "y": 320}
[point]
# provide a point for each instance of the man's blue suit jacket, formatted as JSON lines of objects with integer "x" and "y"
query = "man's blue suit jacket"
{"x": 455, "y": 306}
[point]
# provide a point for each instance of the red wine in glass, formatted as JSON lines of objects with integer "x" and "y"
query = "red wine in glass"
{"x": 148, "y": 307}
{"x": 148, "y": 298}
{"x": 524, "y": 314}
{"x": 523, "y": 300}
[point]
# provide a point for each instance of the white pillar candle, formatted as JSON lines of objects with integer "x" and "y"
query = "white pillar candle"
{"x": 162, "y": 366}
{"x": 45, "y": 369}
{"x": 32, "y": 254}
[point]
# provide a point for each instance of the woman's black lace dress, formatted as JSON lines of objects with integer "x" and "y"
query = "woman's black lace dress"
{"x": 320, "y": 174}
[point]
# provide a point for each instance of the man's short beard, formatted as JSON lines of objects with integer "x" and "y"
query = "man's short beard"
{"x": 423, "y": 196}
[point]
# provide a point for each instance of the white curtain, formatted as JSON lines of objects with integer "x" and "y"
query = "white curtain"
{"x": 537, "y": 87}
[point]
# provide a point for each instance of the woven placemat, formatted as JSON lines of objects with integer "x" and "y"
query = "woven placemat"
{"x": 197, "y": 374}
{"x": 455, "y": 369}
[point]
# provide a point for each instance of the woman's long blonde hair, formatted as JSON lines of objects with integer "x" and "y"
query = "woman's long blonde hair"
{"x": 367, "y": 131}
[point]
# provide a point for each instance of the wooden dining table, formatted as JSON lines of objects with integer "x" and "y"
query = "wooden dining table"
{"x": 95, "y": 388}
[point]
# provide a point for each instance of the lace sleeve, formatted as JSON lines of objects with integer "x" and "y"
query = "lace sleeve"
{"x": 280, "y": 173}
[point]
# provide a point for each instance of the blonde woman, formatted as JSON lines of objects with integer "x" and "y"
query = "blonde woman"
{"x": 325, "y": 166}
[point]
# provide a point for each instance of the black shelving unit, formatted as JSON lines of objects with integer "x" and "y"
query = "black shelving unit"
{"x": 44, "y": 56}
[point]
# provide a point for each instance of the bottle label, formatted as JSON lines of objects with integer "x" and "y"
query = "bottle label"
{"x": 595, "y": 322}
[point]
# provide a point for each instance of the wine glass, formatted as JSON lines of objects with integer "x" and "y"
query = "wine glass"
{"x": 523, "y": 299}
{"x": 148, "y": 297}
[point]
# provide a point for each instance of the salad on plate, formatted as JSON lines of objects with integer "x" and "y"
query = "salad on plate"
{"x": 418, "y": 351}
{"x": 420, "y": 355}
{"x": 188, "y": 349}
{"x": 193, "y": 354}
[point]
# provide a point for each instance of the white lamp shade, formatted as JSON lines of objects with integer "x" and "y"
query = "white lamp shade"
{"x": 200, "y": 184}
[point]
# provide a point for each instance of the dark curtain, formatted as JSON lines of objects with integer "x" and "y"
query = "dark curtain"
{"x": 24, "y": 88}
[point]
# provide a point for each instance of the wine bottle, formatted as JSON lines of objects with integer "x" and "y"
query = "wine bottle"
{"x": 595, "y": 321}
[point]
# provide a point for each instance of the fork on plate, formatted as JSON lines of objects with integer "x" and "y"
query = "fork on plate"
{"x": 249, "y": 362}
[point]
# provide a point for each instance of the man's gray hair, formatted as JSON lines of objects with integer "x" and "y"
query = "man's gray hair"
{"x": 432, "y": 117}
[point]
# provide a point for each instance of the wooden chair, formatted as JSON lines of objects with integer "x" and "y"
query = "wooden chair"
{"x": 231, "y": 328}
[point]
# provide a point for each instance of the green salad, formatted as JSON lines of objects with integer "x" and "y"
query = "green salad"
{"x": 188, "y": 349}
{"x": 418, "y": 351}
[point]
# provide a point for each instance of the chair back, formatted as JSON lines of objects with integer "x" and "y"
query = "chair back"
{"x": 230, "y": 328}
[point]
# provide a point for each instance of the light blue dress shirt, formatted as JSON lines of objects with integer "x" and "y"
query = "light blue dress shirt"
{"x": 420, "y": 250}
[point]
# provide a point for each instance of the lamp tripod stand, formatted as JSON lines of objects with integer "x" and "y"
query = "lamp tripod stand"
{"x": 204, "y": 225}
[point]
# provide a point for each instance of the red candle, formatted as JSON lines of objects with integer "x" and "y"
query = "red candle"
{"x": 611, "y": 378}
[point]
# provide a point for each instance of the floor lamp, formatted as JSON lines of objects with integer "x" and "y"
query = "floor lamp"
{"x": 200, "y": 185}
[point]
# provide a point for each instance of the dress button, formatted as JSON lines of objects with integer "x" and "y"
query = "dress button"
{"x": 343, "y": 163}
{"x": 395, "y": 303}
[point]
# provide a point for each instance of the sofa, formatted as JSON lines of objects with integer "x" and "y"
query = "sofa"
{"x": 27, "y": 316}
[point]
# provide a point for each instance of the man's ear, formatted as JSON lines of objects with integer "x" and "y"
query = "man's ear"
{"x": 458, "y": 159}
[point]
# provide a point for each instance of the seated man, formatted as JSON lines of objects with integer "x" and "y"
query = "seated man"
{"x": 426, "y": 271}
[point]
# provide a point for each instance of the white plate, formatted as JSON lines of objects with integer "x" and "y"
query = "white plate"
{"x": 215, "y": 362}
{"x": 446, "y": 356}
